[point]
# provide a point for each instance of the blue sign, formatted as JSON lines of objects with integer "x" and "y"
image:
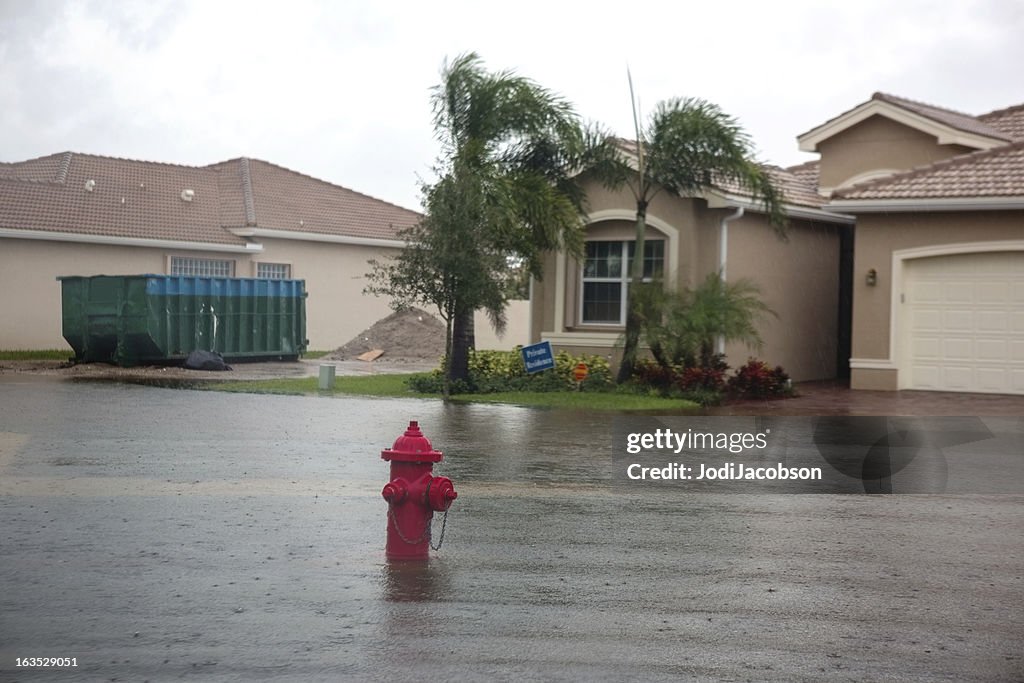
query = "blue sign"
{"x": 538, "y": 357}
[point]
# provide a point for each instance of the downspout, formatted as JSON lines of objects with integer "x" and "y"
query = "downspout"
{"x": 723, "y": 254}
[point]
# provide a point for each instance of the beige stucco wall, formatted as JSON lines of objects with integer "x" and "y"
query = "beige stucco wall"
{"x": 335, "y": 275}
{"x": 30, "y": 294}
{"x": 517, "y": 328}
{"x": 30, "y": 306}
{"x": 799, "y": 280}
{"x": 877, "y": 237}
{"x": 878, "y": 143}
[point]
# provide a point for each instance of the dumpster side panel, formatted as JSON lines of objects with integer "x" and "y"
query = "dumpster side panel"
{"x": 161, "y": 318}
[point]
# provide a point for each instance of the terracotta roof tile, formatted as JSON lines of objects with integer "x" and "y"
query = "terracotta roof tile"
{"x": 1009, "y": 121}
{"x": 996, "y": 172}
{"x": 796, "y": 187}
{"x": 96, "y": 195}
{"x": 48, "y": 169}
{"x": 287, "y": 200}
{"x": 954, "y": 119}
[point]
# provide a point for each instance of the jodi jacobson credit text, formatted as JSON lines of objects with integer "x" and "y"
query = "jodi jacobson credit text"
{"x": 690, "y": 440}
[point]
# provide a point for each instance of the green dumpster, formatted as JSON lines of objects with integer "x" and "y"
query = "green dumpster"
{"x": 134, "y": 319}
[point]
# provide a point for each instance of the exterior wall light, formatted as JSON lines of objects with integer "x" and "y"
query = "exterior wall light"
{"x": 872, "y": 278}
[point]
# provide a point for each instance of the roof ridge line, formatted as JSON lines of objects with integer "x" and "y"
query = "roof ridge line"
{"x": 58, "y": 179}
{"x": 889, "y": 97}
{"x": 247, "y": 193}
{"x": 135, "y": 161}
{"x": 803, "y": 164}
{"x": 1000, "y": 112}
{"x": 918, "y": 171}
{"x": 62, "y": 171}
{"x": 343, "y": 187}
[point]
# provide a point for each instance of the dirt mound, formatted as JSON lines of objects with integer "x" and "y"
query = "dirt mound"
{"x": 412, "y": 334}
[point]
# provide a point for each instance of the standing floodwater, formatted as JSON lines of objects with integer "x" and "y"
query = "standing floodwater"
{"x": 158, "y": 534}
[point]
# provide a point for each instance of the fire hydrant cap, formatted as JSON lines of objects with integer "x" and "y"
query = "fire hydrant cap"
{"x": 441, "y": 493}
{"x": 412, "y": 446}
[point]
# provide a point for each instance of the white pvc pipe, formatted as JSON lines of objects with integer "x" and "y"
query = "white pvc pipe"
{"x": 723, "y": 254}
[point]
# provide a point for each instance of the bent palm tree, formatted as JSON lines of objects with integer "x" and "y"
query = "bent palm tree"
{"x": 688, "y": 146}
{"x": 517, "y": 146}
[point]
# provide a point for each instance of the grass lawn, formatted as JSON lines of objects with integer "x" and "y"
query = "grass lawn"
{"x": 394, "y": 386}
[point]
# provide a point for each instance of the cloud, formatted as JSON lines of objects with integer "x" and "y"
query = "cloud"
{"x": 341, "y": 90}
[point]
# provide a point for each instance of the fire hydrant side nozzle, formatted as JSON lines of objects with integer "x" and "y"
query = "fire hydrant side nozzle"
{"x": 413, "y": 495}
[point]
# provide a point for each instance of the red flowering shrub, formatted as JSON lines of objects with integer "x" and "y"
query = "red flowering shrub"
{"x": 650, "y": 374}
{"x": 712, "y": 379}
{"x": 757, "y": 380}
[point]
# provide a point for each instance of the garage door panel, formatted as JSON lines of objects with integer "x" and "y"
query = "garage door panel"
{"x": 957, "y": 377}
{"x": 926, "y": 320}
{"x": 927, "y": 376}
{"x": 992, "y": 321}
{"x": 963, "y": 323}
{"x": 957, "y": 320}
{"x": 1017, "y": 296}
{"x": 991, "y": 349}
{"x": 991, "y": 380}
{"x": 958, "y": 292}
{"x": 993, "y": 291}
{"x": 927, "y": 349}
{"x": 957, "y": 349}
{"x": 929, "y": 292}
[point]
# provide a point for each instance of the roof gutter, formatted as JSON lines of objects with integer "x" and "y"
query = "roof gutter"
{"x": 316, "y": 237}
{"x": 721, "y": 200}
{"x": 938, "y": 204}
{"x": 723, "y": 257}
{"x": 250, "y": 248}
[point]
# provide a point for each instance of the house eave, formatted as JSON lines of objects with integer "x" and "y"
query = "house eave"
{"x": 110, "y": 240}
{"x": 270, "y": 233}
{"x": 722, "y": 200}
{"x": 856, "y": 206}
{"x": 946, "y": 134}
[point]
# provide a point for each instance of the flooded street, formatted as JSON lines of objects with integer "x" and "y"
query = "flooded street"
{"x": 157, "y": 534}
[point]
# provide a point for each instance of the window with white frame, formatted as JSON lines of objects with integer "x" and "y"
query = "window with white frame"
{"x": 202, "y": 267}
{"x": 606, "y": 271}
{"x": 274, "y": 271}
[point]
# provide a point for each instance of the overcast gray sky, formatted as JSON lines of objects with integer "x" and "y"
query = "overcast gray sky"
{"x": 340, "y": 90}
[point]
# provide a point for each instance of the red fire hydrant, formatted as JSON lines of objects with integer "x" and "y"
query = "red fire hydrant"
{"x": 413, "y": 494}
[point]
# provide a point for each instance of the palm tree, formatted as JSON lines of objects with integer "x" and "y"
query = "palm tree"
{"x": 510, "y": 151}
{"x": 688, "y": 146}
{"x": 681, "y": 327}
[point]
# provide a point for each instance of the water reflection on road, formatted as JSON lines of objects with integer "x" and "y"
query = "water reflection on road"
{"x": 161, "y": 534}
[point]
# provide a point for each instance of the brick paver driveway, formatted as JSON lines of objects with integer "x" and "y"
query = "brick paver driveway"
{"x": 830, "y": 398}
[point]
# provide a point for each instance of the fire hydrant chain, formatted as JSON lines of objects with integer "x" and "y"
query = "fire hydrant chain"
{"x": 440, "y": 539}
{"x": 426, "y": 532}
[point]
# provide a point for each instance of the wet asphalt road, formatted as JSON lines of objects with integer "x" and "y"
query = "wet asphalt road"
{"x": 159, "y": 534}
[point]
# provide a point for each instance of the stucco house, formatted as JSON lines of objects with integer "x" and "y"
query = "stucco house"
{"x": 938, "y": 290}
{"x": 904, "y": 267}
{"x": 581, "y": 307}
{"x": 79, "y": 214}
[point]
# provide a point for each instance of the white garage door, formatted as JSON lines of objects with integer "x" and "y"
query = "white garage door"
{"x": 964, "y": 323}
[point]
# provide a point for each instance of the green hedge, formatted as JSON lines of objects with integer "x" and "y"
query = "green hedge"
{"x": 498, "y": 371}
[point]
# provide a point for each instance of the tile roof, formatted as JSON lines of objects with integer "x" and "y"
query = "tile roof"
{"x": 795, "y": 187}
{"x": 124, "y": 198}
{"x": 799, "y": 187}
{"x": 949, "y": 117}
{"x": 1009, "y": 121}
{"x": 996, "y": 172}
